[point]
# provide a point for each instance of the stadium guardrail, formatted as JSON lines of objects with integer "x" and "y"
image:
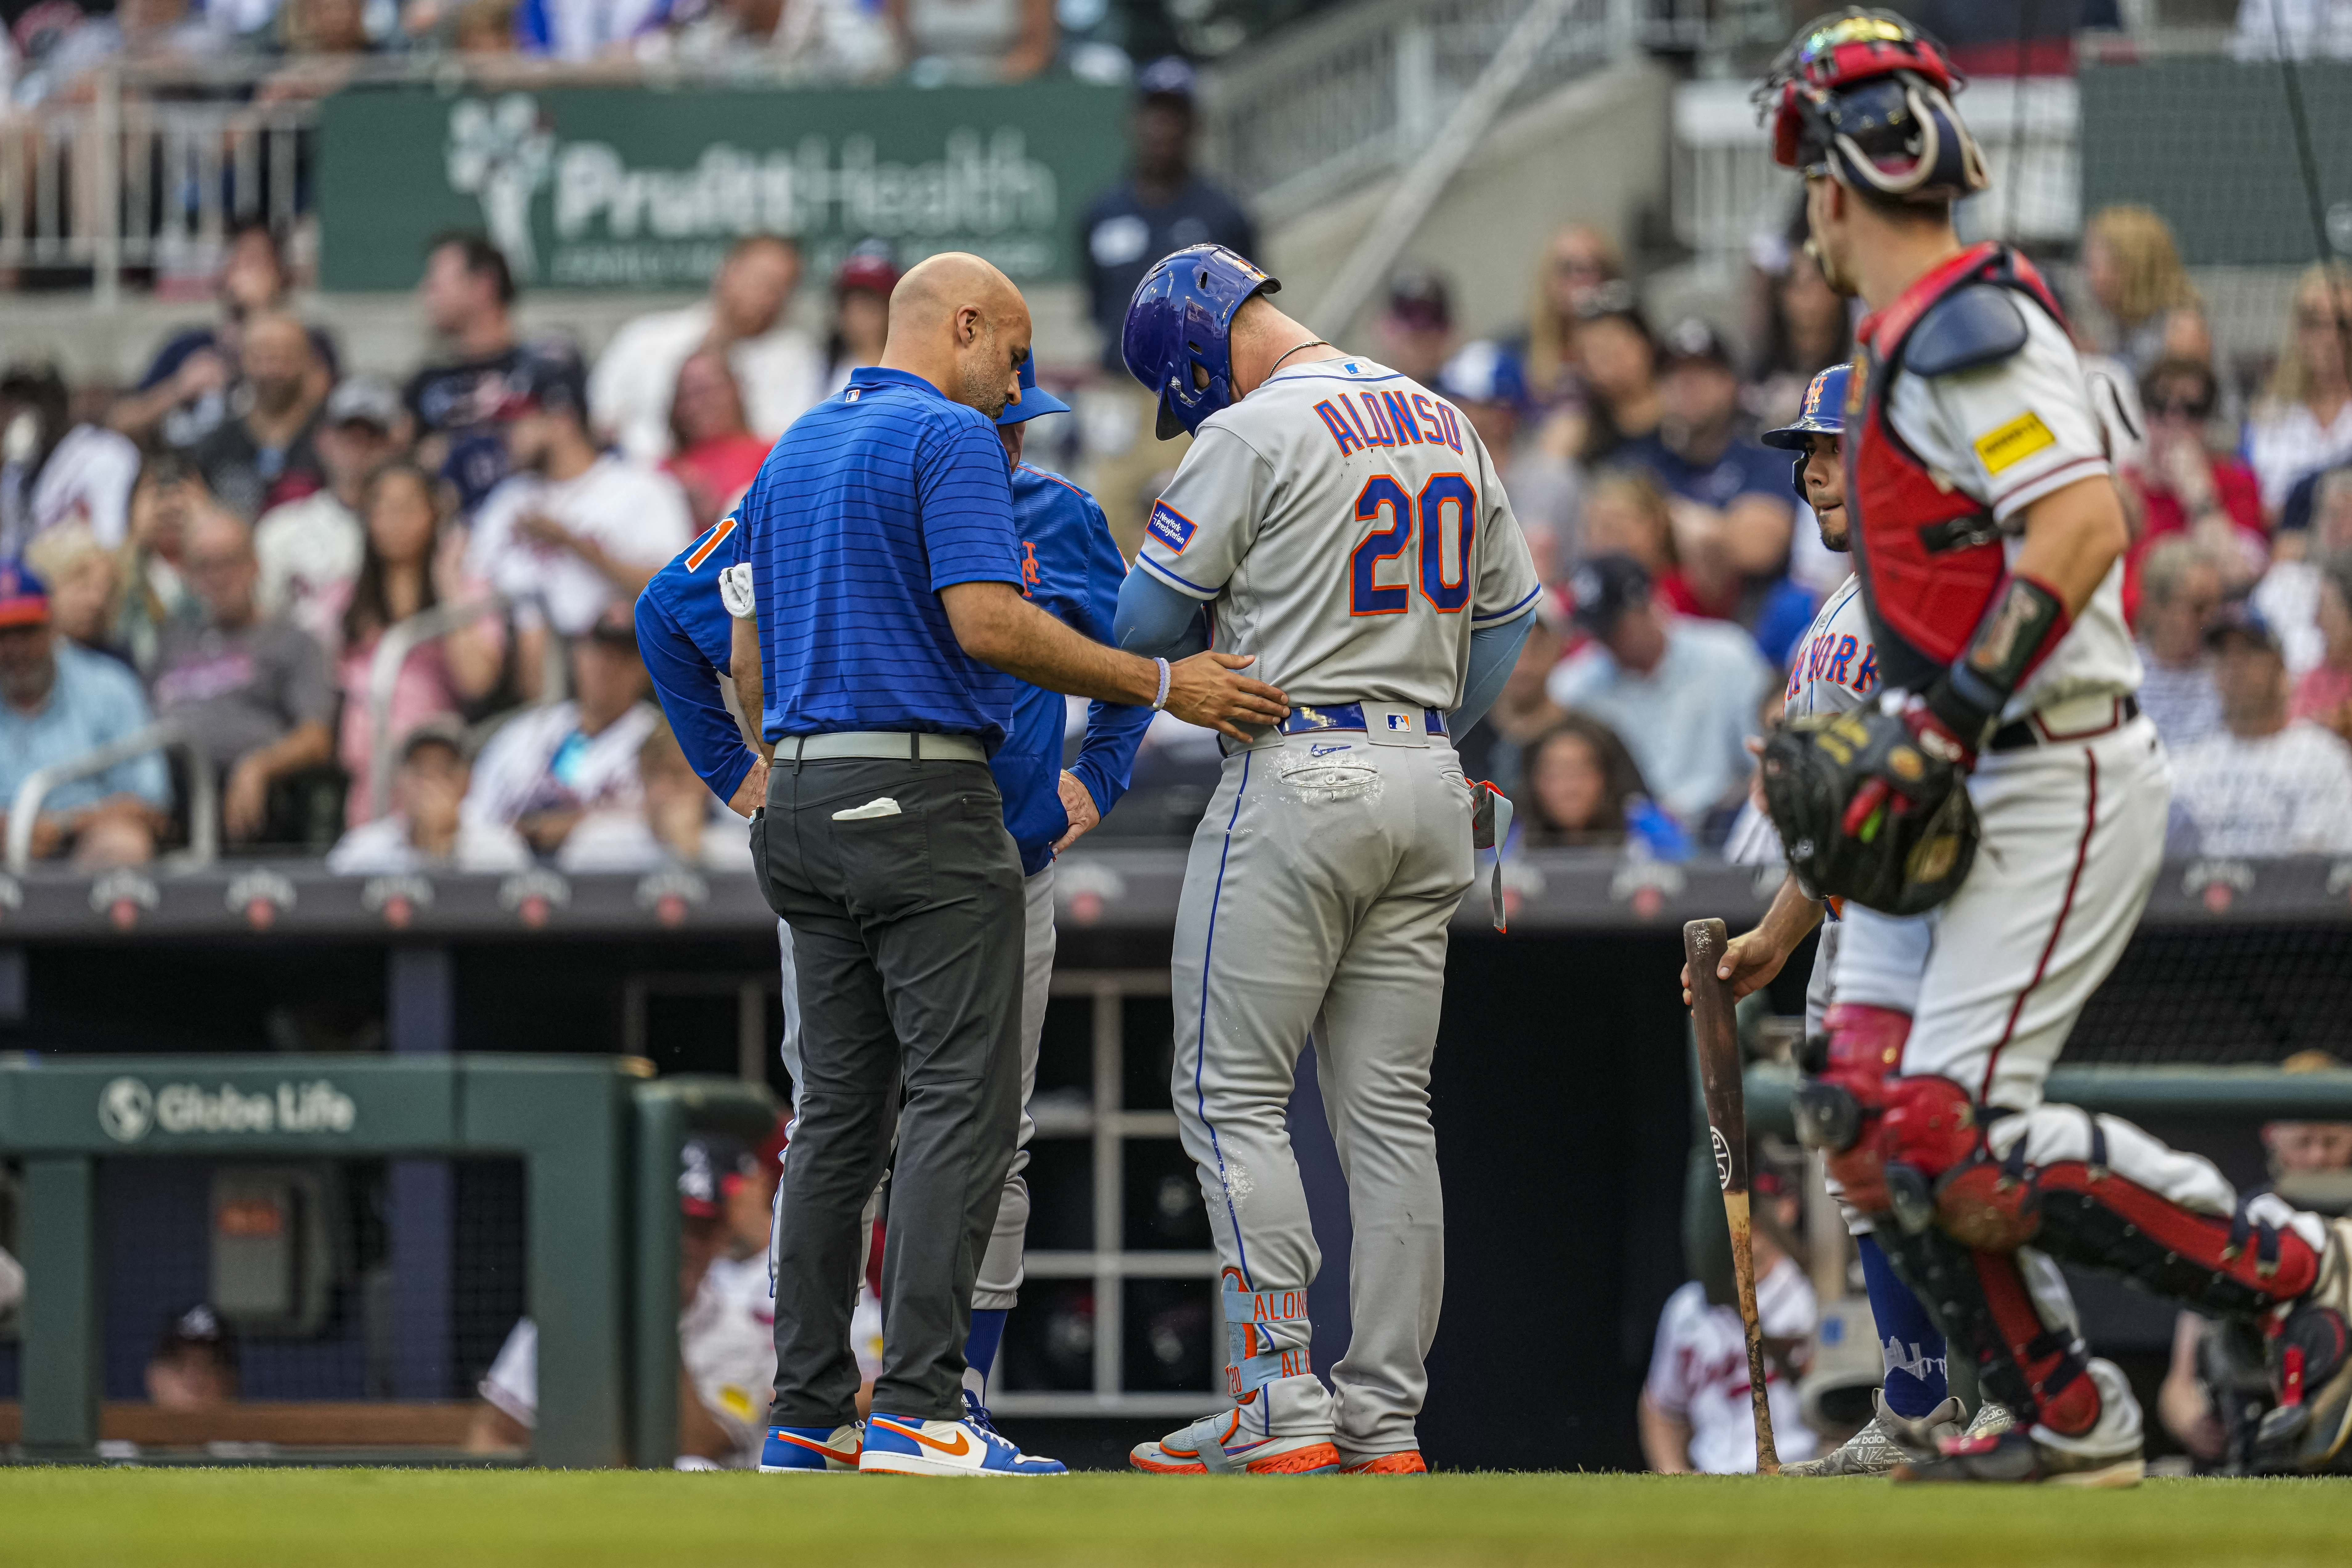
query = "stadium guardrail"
{"x": 204, "y": 793}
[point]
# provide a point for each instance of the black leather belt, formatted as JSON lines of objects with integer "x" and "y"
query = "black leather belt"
{"x": 2019, "y": 733}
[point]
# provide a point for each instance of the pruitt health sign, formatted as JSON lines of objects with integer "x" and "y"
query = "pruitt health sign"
{"x": 646, "y": 188}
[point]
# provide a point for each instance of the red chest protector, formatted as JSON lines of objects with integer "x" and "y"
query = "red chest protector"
{"x": 1929, "y": 554}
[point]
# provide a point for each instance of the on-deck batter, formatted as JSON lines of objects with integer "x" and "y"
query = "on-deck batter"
{"x": 1346, "y": 527}
{"x": 1834, "y": 670}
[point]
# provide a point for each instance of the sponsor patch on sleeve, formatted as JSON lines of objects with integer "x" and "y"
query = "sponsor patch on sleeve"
{"x": 2005, "y": 445}
{"x": 1170, "y": 527}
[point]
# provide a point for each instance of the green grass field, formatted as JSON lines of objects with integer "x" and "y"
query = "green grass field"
{"x": 262, "y": 1518}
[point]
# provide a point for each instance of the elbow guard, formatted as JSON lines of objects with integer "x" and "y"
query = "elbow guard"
{"x": 2025, "y": 622}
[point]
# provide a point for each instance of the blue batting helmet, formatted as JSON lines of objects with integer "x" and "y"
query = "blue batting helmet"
{"x": 1178, "y": 338}
{"x": 1033, "y": 402}
{"x": 1823, "y": 414}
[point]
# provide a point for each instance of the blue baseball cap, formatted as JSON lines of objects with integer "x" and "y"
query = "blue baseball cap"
{"x": 1171, "y": 76}
{"x": 1821, "y": 413}
{"x": 1034, "y": 400}
{"x": 24, "y": 598}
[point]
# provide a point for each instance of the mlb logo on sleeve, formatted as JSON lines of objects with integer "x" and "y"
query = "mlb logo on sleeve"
{"x": 1170, "y": 527}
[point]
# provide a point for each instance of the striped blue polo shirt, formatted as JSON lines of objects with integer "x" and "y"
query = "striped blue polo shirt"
{"x": 874, "y": 501}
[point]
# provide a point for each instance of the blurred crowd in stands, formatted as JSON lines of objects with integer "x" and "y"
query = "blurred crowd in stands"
{"x": 53, "y": 50}
{"x": 332, "y": 586}
{"x": 393, "y": 620}
{"x": 1688, "y": 567}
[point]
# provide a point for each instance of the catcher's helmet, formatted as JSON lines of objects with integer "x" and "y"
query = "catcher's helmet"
{"x": 1865, "y": 97}
{"x": 1182, "y": 319}
{"x": 1821, "y": 413}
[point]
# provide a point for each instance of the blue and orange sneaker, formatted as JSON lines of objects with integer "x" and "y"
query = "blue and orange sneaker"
{"x": 909, "y": 1446}
{"x": 811, "y": 1450}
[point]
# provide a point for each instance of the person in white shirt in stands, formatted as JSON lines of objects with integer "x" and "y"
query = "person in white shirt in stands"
{"x": 551, "y": 767}
{"x": 1694, "y": 1413}
{"x": 678, "y": 822}
{"x": 311, "y": 549}
{"x": 52, "y": 470}
{"x": 2264, "y": 786}
{"x": 2179, "y": 591}
{"x": 778, "y": 366}
{"x": 425, "y": 829}
{"x": 574, "y": 530}
{"x": 1683, "y": 693}
{"x": 2304, "y": 419}
{"x": 2288, "y": 595}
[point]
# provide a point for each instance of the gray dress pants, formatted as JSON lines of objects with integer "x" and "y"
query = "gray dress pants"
{"x": 904, "y": 895}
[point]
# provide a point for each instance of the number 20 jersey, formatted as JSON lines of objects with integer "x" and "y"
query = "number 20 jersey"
{"x": 1346, "y": 526}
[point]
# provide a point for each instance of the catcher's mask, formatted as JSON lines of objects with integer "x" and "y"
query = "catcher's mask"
{"x": 1865, "y": 97}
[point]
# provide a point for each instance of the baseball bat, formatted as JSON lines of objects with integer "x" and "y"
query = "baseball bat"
{"x": 1713, "y": 1024}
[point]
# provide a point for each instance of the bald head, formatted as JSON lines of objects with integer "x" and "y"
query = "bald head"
{"x": 959, "y": 324}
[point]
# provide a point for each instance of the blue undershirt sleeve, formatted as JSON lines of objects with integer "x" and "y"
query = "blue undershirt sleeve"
{"x": 1494, "y": 650}
{"x": 688, "y": 687}
{"x": 1158, "y": 622}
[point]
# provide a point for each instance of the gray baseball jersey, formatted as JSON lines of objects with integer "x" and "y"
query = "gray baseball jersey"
{"x": 1834, "y": 669}
{"x": 1348, "y": 530}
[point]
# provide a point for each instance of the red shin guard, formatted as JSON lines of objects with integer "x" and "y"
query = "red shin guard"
{"x": 2052, "y": 1361}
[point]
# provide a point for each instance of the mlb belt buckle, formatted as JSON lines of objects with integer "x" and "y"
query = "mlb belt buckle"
{"x": 1389, "y": 726}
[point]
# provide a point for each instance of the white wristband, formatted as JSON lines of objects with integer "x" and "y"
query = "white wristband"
{"x": 1160, "y": 702}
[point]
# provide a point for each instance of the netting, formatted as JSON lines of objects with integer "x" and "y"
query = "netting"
{"x": 359, "y": 1283}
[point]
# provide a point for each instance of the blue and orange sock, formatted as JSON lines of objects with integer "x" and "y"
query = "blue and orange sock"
{"x": 1908, "y": 1340}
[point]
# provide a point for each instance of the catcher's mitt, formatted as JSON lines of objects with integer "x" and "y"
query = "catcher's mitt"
{"x": 1865, "y": 814}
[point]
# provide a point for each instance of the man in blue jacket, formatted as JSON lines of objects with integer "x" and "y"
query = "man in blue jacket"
{"x": 1071, "y": 569}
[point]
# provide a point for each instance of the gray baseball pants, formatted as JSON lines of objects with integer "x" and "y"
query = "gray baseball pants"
{"x": 1315, "y": 901}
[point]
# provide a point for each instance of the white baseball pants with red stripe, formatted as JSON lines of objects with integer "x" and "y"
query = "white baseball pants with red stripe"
{"x": 2073, "y": 839}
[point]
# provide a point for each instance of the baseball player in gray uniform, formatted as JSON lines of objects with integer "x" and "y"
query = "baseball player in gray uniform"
{"x": 1344, "y": 525}
{"x": 1834, "y": 670}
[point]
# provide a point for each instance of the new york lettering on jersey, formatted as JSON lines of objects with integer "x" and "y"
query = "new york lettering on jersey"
{"x": 1351, "y": 532}
{"x": 1836, "y": 662}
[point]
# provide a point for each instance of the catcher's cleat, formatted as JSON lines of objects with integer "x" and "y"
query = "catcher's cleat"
{"x": 2311, "y": 1359}
{"x": 1407, "y": 1462}
{"x": 1992, "y": 1420}
{"x": 1215, "y": 1445}
{"x": 2108, "y": 1454}
{"x": 1885, "y": 1441}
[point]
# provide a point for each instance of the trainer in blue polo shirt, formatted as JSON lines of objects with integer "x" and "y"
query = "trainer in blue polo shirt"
{"x": 888, "y": 581}
{"x": 1070, "y": 568}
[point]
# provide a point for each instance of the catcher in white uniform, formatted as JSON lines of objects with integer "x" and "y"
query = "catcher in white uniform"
{"x": 1344, "y": 525}
{"x": 2008, "y": 788}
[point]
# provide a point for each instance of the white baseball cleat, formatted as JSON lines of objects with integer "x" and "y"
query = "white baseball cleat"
{"x": 1885, "y": 1441}
{"x": 908, "y": 1446}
